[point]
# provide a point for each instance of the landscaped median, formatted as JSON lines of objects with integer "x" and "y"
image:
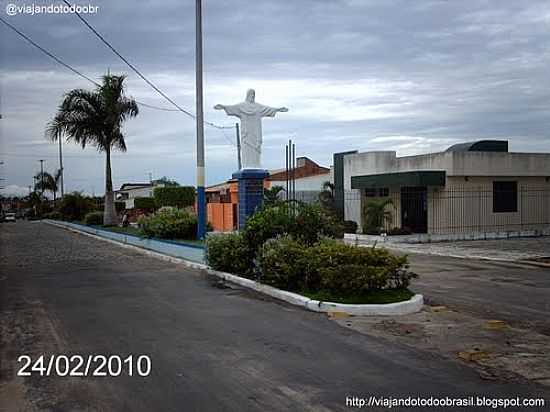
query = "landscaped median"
{"x": 412, "y": 305}
{"x": 296, "y": 255}
{"x": 176, "y": 249}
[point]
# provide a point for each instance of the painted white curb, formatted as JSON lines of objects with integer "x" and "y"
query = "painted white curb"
{"x": 412, "y": 305}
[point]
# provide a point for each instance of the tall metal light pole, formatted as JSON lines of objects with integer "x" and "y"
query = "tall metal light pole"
{"x": 61, "y": 168}
{"x": 41, "y": 177}
{"x": 201, "y": 198}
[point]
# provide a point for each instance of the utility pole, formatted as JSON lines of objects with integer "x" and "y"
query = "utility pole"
{"x": 41, "y": 177}
{"x": 1, "y": 178}
{"x": 201, "y": 198}
{"x": 61, "y": 177}
{"x": 239, "y": 162}
{"x": 150, "y": 177}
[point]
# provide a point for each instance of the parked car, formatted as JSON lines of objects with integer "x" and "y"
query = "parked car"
{"x": 9, "y": 217}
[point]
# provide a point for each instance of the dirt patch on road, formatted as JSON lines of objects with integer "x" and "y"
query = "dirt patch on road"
{"x": 495, "y": 349}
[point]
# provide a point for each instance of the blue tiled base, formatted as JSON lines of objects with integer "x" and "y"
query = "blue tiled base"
{"x": 251, "y": 192}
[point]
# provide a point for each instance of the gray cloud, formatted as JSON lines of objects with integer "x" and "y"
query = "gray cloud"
{"x": 356, "y": 74}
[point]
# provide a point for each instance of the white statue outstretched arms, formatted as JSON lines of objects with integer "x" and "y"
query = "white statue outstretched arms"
{"x": 250, "y": 113}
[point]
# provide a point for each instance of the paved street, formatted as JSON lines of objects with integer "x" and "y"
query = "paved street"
{"x": 212, "y": 348}
{"x": 494, "y": 290}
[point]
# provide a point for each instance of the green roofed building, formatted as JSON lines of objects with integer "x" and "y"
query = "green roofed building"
{"x": 469, "y": 188}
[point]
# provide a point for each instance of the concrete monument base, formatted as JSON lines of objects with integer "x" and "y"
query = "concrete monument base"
{"x": 251, "y": 192}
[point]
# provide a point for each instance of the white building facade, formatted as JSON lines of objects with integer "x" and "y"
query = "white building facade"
{"x": 471, "y": 187}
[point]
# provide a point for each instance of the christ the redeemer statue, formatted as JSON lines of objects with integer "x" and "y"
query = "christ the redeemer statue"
{"x": 250, "y": 113}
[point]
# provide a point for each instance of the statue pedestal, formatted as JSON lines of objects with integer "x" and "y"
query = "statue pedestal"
{"x": 251, "y": 192}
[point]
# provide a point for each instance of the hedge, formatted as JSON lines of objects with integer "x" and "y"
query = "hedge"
{"x": 174, "y": 196}
{"x": 169, "y": 223}
{"x": 331, "y": 266}
{"x": 94, "y": 218}
{"x": 147, "y": 203}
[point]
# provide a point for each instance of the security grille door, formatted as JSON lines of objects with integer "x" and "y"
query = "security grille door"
{"x": 414, "y": 209}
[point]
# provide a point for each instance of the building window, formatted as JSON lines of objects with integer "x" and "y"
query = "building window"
{"x": 383, "y": 192}
{"x": 370, "y": 192}
{"x": 505, "y": 197}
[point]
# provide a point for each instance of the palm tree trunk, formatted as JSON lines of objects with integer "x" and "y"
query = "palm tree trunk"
{"x": 109, "y": 211}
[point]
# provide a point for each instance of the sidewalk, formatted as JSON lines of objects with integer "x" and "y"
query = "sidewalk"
{"x": 512, "y": 250}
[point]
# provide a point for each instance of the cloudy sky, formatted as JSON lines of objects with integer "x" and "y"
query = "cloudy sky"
{"x": 412, "y": 76}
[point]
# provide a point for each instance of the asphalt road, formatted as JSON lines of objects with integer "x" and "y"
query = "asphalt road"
{"x": 517, "y": 293}
{"x": 212, "y": 348}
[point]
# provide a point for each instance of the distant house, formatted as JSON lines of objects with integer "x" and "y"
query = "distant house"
{"x": 309, "y": 175}
{"x": 475, "y": 187}
{"x": 129, "y": 191}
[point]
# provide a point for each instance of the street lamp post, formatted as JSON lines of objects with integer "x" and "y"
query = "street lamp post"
{"x": 61, "y": 177}
{"x": 201, "y": 198}
{"x": 41, "y": 177}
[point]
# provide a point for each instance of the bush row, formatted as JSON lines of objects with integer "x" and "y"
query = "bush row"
{"x": 180, "y": 197}
{"x": 169, "y": 223}
{"x": 305, "y": 223}
{"x": 330, "y": 266}
{"x": 294, "y": 248}
{"x": 94, "y": 218}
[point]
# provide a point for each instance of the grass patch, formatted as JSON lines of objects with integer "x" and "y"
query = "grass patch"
{"x": 374, "y": 297}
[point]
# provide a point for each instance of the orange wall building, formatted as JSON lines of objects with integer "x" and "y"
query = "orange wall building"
{"x": 222, "y": 200}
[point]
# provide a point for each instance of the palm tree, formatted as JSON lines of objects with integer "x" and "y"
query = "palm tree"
{"x": 271, "y": 195}
{"x": 326, "y": 196}
{"x": 376, "y": 216}
{"x": 96, "y": 118}
{"x": 45, "y": 182}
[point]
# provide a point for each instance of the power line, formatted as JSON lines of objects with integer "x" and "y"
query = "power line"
{"x": 80, "y": 74}
{"x": 145, "y": 79}
{"x": 43, "y": 50}
{"x": 130, "y": 65}
{"x": 61, "y": 62}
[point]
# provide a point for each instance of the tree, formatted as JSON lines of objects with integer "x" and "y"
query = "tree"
{"x": 166, "y": 182}
{"x": 45, "y": 182}
{"x": 376, "y": 216}
{"x": 326, "y": 197}
{"x": 96, "y": 118}
{"x": 271, "y": 195}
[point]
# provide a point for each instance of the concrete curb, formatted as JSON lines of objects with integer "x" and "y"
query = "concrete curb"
{"x": 412, "y": 305}
{"x": 400, "y": 308}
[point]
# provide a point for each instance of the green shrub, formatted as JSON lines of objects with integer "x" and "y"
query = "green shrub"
{"x": 145, "y": 203}
{"x": 350, "y": 226}
{"x": 283, "y": 263}
{"x": 53, "y": 215}
{"x": 305, "y": 223}
{"x": 331, "y": 266}
{"x": 94, "y": 218}
{"x": 376, "y": 216}
{"x": 228, "y": 252}
{"x": 169, "y": 223}
{"x": 74, "y": 206}
{"x": 180, "y": 197}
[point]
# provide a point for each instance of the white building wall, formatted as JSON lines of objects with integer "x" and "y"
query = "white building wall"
{"x": 466, "y": 171}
